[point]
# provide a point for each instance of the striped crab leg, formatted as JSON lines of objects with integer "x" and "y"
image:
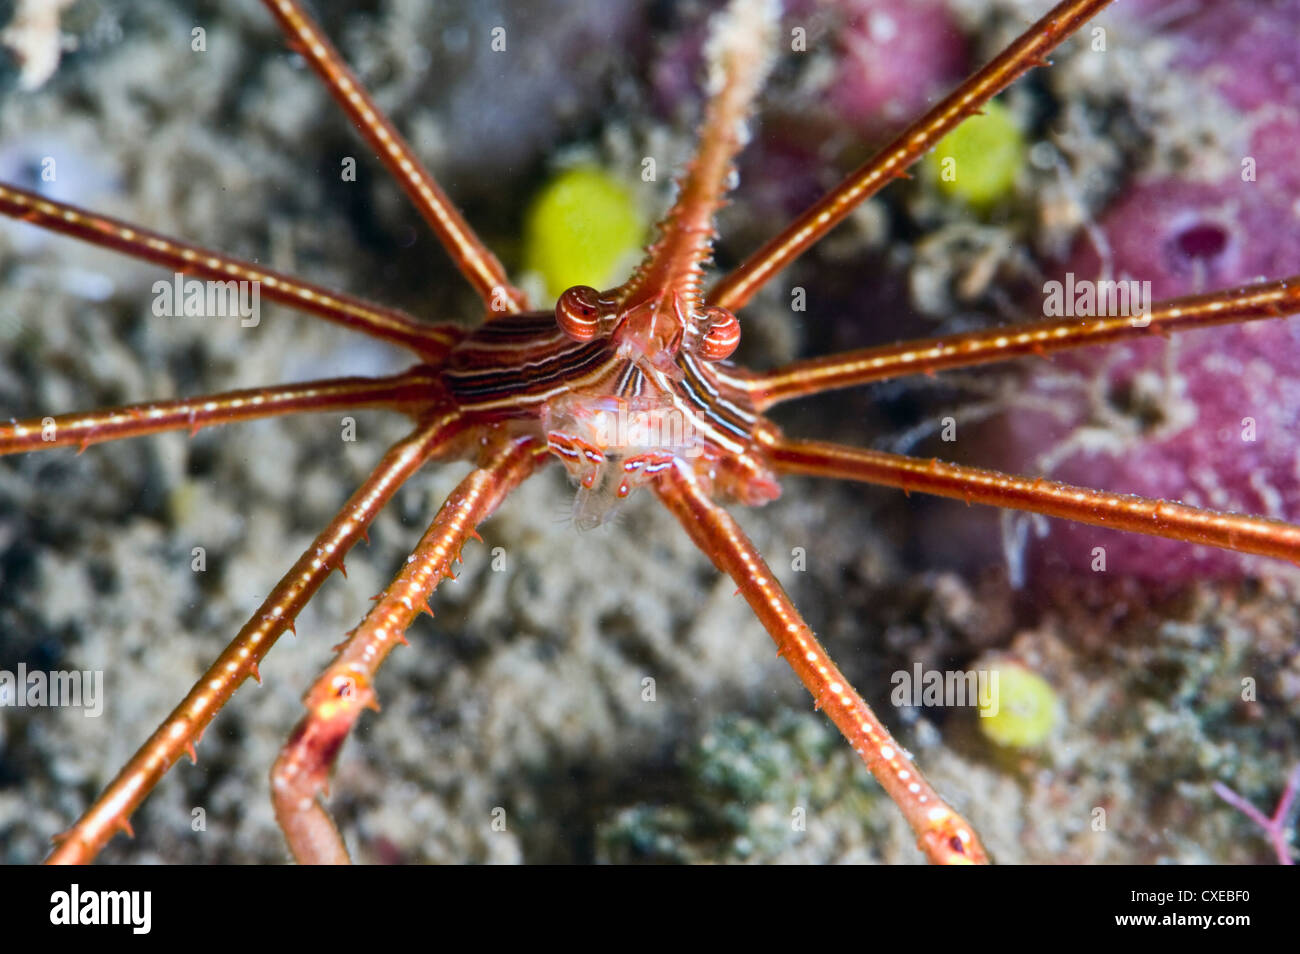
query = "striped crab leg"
{"x": 408, "y": 390}
{"x": 474, "y": 259}
{"x": 944, "y": 836}
{"x": 431, "y": 342}
{"x": 301, "y": 773}
{"x": 180, "y": 731}
{"x": 1160, "y": 518}
{"x": 1030, "y": 50}
{"x": 816, "y": 375}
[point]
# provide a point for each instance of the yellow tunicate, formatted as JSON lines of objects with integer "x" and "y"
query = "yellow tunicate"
{"x": 1023, "y": 709}
{"x": 583, "y": 228}
{"x": 979, "y": 160}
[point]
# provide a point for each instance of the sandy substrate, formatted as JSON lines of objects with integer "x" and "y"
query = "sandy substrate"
{"x": 526, "y": 691}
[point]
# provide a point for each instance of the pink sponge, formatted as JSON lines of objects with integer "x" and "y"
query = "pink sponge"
{"x": 896, "y": 58}
{"x": 1215, "y": 413}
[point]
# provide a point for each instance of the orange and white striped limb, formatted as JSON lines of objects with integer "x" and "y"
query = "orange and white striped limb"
{"x": 335, "y": 701}
{"x": 181, "y": 730}
{"x": 944, "y": 836}
{"x": 474, "y": 259}
{"x": 431, "y": 342}
{"x": 1030, "y": 50}
{"x": 1158, "y": 518}
{"x": 416, "y": 388}
{"x": 1235, "y": 306}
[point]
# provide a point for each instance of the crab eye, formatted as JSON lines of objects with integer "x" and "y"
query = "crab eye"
{"x": 581, "y": 314}
{"x": 721, "y": 334}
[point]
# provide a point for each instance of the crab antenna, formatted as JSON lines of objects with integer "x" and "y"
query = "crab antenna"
{"x": 739, "y": 53}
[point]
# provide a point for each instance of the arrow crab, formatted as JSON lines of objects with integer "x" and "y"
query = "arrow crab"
{"x": 522, "y": 389}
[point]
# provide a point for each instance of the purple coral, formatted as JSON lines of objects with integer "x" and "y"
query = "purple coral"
{"x": 1246, "y": 50}
{"x": 896, "y": 57}
{"x": 1211, "y": 415}
{"x": 1275, "y": 826}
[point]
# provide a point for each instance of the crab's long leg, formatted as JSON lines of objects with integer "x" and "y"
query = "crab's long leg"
{"x": 1030, "y": 50}
{"x": 181, "y": 730}
{"x": 429, "y": 341}
{"x": 474, "y": 259}
{"x": 943, "y": 835}
{"x": 802, "y": 378}
{"x": 1160, "y": 518}
{"x": 301, "y": 773}
{"x": 407, "y": 391}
